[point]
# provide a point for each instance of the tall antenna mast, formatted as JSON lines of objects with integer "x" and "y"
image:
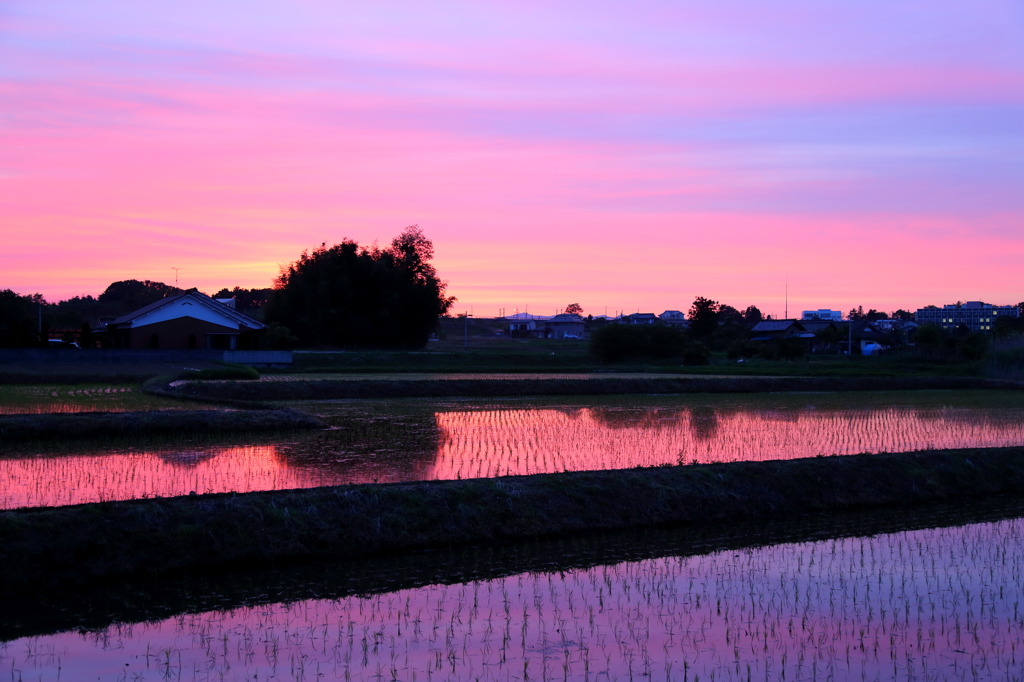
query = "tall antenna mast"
{"x": 787, "y": 297}
{"x": 176, "y": 276}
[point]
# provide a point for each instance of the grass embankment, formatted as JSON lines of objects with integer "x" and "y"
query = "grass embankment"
{"x": 116, "y": 539}
{"x": 44, "y": 398}
{"x": 495, "y": 355}
{"x": 113, "y": 424}
{"x": 396, "y": 387}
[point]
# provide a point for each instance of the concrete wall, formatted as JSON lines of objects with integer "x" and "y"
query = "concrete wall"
{"x": 256, "y": 358}
{"x": 259, "y": 358}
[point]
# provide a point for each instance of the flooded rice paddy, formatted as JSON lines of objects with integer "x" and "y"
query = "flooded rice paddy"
{"x": 405, "y": 440}
{"x": 927, "y": 604}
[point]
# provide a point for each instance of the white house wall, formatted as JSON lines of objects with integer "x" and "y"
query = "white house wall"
{"x": 184, "y": 308}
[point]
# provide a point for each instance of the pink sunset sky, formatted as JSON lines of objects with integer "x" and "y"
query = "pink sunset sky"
{"x": 627, "y": 156}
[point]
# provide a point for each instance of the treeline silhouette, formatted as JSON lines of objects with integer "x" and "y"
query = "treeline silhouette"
{"x": 345, "y": 295}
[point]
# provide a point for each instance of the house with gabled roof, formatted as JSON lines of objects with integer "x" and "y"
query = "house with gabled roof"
{"x": 674, "y": 317}
{"x": 767, "y": 330}
{"x": 564, "y": 326}
{"x": 187, "y": 321}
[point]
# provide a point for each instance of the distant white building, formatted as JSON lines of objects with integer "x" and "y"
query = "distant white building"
{"x": 674, "y": 317}
{"x": 823, "y": 314}
{"x": 564, "y": 326}
{"x": 525, "y": 324}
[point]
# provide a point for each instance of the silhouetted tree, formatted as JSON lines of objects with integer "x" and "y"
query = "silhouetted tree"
{"x": 248, "y": 301}
{"x": 574, "y": 309}
{"x": 752, "y": 315}
{"x": 727, "y": 314}
{"x": 348, "y": 295}
{"x": 904, "y": 315}
{"x": 1005, "y": 326}
{"x": 703, "y": 317}
{"x": 19, "y": 319}
{"x": 856, "y": 313}
{"x": 131, "y": 294}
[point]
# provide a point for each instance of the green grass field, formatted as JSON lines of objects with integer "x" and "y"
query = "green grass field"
{"x": 40, "y": 399}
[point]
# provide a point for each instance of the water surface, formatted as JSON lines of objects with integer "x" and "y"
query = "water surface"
{"x": 934, "y": 603}
{"x": 410, "y": 439}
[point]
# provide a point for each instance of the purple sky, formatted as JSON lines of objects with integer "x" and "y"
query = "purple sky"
{"x": 629, "y": 157}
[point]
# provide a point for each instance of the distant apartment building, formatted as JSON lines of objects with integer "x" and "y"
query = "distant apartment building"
{"x": 823, "y": 314}
{"x": 975, "y": 315}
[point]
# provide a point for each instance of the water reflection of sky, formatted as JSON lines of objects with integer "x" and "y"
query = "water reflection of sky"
{"x": 386, "y": 441}
{"x": 939, "y": 603}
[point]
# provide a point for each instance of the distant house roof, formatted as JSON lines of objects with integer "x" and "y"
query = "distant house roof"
{"x": 777, "y": 326}
{"x": 672, "y": 313}
{"x": 193, "y": 296}
{"x": 566, "y": 317}
{"x": 815, "y": 326}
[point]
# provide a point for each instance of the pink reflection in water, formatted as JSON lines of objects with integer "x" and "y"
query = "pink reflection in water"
{"x": 529, "y": 441}
{"x": 75, "y": 479}
{"x": 927, "y": 604}
{"x": 499, "y": 442}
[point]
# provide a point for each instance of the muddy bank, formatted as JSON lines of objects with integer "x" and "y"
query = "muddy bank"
{"x": 19, "y": 427}
{"x": 334, "y": 389}
{"x": 47, "y": 547}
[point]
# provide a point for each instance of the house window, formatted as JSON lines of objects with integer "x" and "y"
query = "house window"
{"x": 154, "y": 341}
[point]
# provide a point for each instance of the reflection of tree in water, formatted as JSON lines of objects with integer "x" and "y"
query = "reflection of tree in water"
{"x": 364, "y": 448}
{"x": 704, "y": 422}
{"x": 186, "y": 459}
{"x": 631, "y": 418}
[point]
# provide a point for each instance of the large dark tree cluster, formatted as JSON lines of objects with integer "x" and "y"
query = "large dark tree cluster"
{"x": 248, "y": 301}
{"x": 356, "y": 296}
{"x": 19, "y": 319}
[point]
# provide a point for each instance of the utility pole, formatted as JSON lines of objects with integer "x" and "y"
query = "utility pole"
{"x": 849, "y": 344}
{"x": 465, "y": 332}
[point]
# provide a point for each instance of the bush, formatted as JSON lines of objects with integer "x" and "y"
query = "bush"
{"x": 279, "y": 337}
{"x": 617, "y": 342}
{"x": 741, "y": 349}
{"x": 696, "y": 353}
{"x": 791, "y": 349}
{"x": 781, "y": 349}
{"x": 973, "y": 346}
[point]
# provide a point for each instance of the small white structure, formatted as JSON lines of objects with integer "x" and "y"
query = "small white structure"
{"x": 674, "y": 317}
{"x": 823, "y": 314}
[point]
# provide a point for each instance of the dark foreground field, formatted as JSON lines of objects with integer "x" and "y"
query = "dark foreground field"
{"x": 44, "y": 548}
